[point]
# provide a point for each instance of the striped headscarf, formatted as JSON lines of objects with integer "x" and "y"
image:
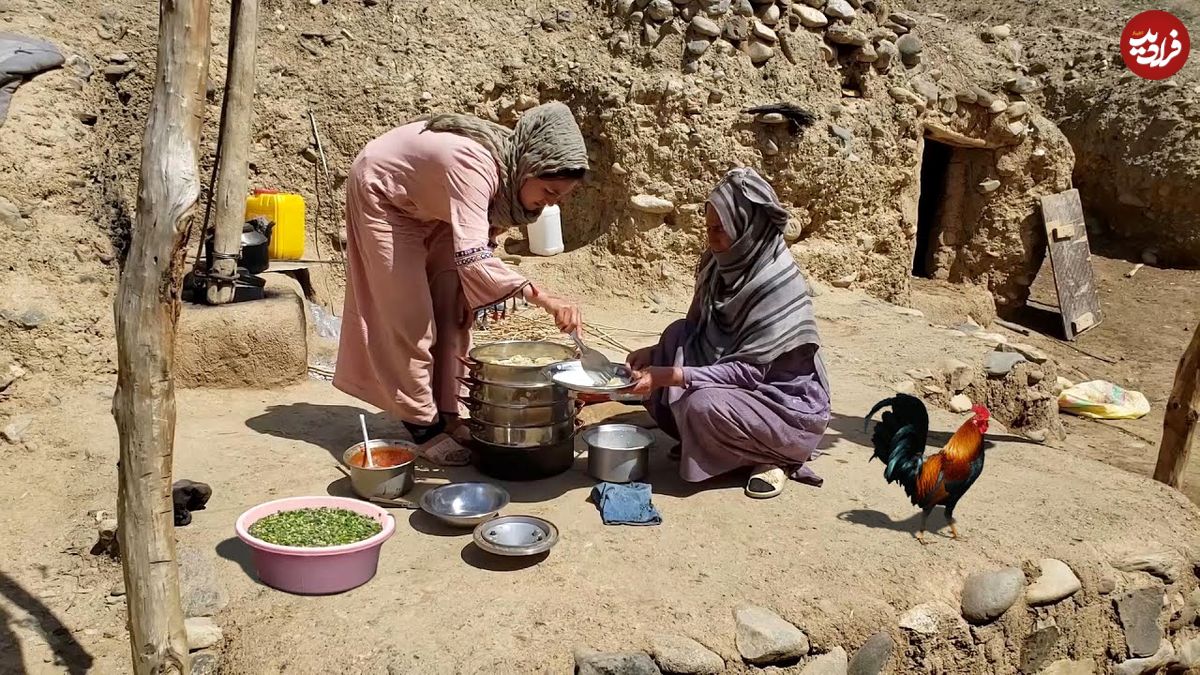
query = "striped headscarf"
{"x": 754, "y": 303}
{"x": 545, "y": 140}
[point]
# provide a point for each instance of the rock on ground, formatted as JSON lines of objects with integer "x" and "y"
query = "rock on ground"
{"x": 987, "y": 595}
{"x": 909, "y": 46}
{"x": 206, "y": 663}
{"x": 589, "y": 662}
{"x": 685, "y": 656}
{"x": 922, "y": 619}
{"x": 1189, "y": 653}
{"x": 1161, "y": 564}
{"x": 1039, "y": 647}
{"x": 14, "y": 431}
{"x": 1138, "y": 611}
{"x": 202, "y": 633}
{"x": 1000, "y": 364}
{"x": 872, "y": 657}
{"x": 959, "y": 374}
{"x": 833, "y": 663}
{"x": 763, "y": 638}
{"x": 10, "y": 215}
{"x": 1068, "y": 667}
{"x": 1057, "y": 582}
{"x": 1164, "y": 655}
{"x": 200, "y": 587}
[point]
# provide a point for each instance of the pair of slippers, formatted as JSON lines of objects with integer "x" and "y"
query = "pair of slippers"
{"x": 446, "y": 449}
{"x": 765, "y": 481}
{"x": 188, "y": 496}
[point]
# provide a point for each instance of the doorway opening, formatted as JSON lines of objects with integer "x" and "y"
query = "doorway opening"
{"x": 935, "y": 165}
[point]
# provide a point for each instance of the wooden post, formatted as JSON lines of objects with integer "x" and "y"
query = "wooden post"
{"x": 147, "y": 308}
{"x": 233, "y": 153}
{"x": 1179, "y": 422}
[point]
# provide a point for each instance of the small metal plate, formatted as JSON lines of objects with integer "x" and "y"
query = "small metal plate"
{"x": 516, "y": 535}
{"x": 570, "y": 374}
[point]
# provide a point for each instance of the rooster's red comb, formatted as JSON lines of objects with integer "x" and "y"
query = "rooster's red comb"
{"x": 980, "y": 412}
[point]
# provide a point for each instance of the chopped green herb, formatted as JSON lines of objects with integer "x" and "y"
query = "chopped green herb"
{"x": 313, "y": 528}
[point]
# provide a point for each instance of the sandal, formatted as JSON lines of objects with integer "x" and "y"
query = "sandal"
{"x": 444, "y": 451}
{"x": 767, "y": 481}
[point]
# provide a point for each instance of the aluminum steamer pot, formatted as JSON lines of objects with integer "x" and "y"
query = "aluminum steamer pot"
{"x": 522, "y": 437}
{"x": 520, "y": 415}
{"x": 499, "y": 394}
{"x": 480, "y": 361}
{"x": 535, "y": 463}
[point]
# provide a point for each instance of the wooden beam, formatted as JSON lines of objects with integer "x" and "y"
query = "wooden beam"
{"x": 147, "y": 308}
{"x": 1180, "y": 420}
{"x": 237, "y": 113}
{"x": 950, "y": 137}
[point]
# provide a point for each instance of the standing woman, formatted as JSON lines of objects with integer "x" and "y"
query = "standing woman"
{"x": 740, "y": 382}
{"x": 424, "y": 204}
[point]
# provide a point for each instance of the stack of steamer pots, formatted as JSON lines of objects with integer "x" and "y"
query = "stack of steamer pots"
{"x": 522, "y": 424}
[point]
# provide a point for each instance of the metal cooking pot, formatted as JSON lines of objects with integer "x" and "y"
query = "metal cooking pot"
{"x": 481, "y": 362}
{"x": 522, "y": 437}
{"x": 499, "y": 394}
{"x": 536, "y": 463}
{"x": 618, "y": 453}
{"x": 386, "y": 482}
{"x": 520, "y": 415}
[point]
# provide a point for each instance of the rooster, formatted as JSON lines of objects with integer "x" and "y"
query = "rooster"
{"x": 942, "y": 478}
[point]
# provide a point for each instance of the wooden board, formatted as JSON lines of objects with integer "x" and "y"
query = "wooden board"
{"x": 1071, "y": 261}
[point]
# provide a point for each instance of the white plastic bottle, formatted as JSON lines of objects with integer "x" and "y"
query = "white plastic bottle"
{"x": 545, "y": 234}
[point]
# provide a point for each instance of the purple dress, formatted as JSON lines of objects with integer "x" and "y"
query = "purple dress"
{"x": 733, "y": 415}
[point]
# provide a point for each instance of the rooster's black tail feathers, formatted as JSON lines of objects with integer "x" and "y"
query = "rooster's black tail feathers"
{"x": 899, "y": 438}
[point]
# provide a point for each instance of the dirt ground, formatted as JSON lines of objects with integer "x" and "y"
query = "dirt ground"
{"x": 839, "y": 561}
{"x": 439, "y": 606}
{"x": 1148, "y": 322}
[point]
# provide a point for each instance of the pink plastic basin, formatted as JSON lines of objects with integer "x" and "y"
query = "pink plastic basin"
{"x": 315, "y": 571}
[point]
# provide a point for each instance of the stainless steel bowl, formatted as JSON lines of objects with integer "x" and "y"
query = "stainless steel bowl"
{"x": 499, "y": 394}
{"x": 618, "y": 453}
{"x": 481, "y": 361}
{"x": 521, "y": 437}
{"x": 387, "y": 482}
{"x": 464, "y": 504}
{"x": 516, "y": 535}
{"x": 520, "y": 415}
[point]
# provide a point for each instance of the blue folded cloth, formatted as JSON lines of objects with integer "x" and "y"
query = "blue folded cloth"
{"x": 625, "y": 504}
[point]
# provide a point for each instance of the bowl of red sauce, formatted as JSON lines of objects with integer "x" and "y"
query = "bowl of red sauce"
{"x": 391, "y": 474}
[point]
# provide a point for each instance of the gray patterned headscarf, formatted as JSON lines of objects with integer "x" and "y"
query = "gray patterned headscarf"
{"x": 545, "y": 140}
{"x": 754, "y": 303}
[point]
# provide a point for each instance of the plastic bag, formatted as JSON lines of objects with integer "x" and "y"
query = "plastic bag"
{"x": 1103, "y": 400}
{"x": 324, "y": 323}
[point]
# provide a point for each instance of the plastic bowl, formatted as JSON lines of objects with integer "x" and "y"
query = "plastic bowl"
{"x": 315, "y": 571}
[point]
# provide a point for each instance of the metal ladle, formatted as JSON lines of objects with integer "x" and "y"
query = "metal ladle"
{"x": 595, "y": 364}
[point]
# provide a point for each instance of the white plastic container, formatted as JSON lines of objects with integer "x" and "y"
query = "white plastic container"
{"x": 545, "y": 234}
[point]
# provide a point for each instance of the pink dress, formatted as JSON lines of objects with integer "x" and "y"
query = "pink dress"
{"x": 418, "y": 260}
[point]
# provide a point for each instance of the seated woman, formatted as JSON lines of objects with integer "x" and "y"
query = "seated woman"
{"x": 740, "y": 382}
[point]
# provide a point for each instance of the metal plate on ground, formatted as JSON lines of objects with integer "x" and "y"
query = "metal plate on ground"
{"x": 1071, "y": 261}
